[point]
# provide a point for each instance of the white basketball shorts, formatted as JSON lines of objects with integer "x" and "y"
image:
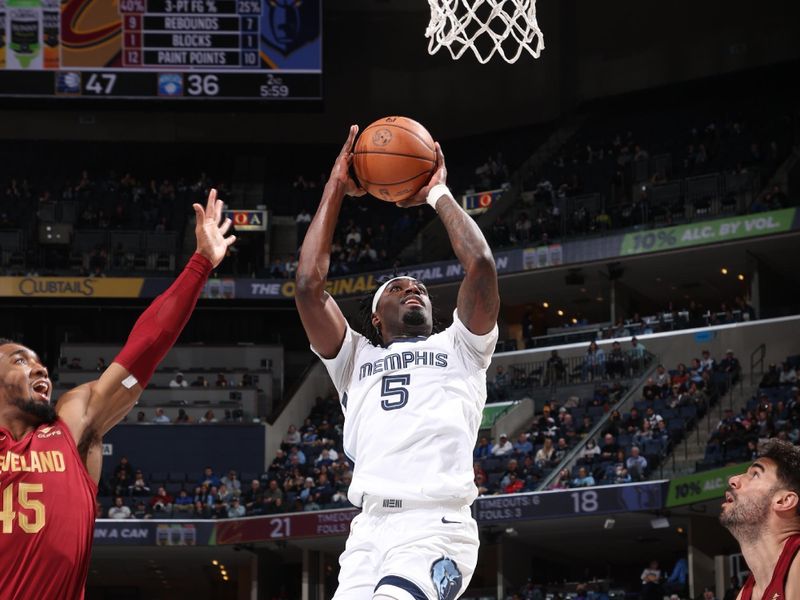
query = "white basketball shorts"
{"x": 408, "y": 551}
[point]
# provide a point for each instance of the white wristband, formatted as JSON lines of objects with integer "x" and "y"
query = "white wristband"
{"x": 437, "y": 192}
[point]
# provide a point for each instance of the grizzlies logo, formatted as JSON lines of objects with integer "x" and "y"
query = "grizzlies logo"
{"x": 446, "y": 578}
{"x": 287, "y": 25}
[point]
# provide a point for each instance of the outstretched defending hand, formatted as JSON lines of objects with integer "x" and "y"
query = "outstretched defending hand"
{"x": 210, "y": 234}
{"x": 341, "y": 168}
{"x": 439, "y": 176}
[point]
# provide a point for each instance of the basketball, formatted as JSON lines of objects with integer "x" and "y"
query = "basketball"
{"x": 393, "y": 158}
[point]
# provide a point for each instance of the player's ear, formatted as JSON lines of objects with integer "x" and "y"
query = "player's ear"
{"x": 786, "y": 500}
{"x": 376, "y": 322}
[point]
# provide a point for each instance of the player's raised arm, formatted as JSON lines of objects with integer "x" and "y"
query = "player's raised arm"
{"x": 323, "y": 321}
{"x": 478, "y": 298}
{"x": 90, "y": 410}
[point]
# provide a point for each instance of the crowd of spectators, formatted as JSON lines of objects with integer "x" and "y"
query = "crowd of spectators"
{"x": 503, "y": 466}
{"x": 309, "y": 472}
{"x": 630, "y": 445}
{"x": 774, "y": 411}
{"x": 621, "y": 167}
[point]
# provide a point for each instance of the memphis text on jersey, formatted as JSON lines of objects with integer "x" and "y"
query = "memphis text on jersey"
{"x": 401, "y": 360}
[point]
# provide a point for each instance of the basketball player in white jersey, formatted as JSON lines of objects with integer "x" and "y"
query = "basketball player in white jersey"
{"x": 412, "y": 401}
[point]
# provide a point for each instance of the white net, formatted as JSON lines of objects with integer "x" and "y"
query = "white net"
{"x": 505, "y": 27}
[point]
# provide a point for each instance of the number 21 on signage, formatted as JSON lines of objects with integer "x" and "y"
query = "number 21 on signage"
{"x": 280, "y": 527}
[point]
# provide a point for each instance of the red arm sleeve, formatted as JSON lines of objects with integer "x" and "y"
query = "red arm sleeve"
{"x": 161, "y": 323}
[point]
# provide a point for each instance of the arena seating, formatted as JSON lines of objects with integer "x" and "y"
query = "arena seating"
{"x": 773, "y": 411}
{"x": 672, "y": 402}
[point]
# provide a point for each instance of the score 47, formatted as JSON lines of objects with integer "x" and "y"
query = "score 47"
{"x": 100, "y": 84}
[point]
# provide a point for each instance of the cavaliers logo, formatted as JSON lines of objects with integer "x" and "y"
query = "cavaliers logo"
{"x": 381, "y": 137}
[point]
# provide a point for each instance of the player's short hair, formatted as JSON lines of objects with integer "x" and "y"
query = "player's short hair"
{"x": 369, "y": 331}
{"x": 786, "y": 457}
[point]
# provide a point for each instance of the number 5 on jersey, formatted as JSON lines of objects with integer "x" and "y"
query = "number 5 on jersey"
{"x": 394, "y": 386}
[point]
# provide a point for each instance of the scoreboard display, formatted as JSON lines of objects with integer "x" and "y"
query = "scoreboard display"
{"x": 262, "y": 50}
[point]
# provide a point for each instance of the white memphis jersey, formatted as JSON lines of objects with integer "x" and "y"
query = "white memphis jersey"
{"x": 412, "y": 412}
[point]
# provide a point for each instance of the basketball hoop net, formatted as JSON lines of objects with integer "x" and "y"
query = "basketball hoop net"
{"x": 458, "y": 25}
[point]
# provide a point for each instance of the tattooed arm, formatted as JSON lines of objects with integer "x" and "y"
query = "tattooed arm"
{"x": 478, "y": 298}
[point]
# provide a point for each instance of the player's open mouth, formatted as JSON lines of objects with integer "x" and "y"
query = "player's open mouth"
{"x": 413, "y": 301}
{"x": 41, "y": 388}
{"x": 728, "y": 498}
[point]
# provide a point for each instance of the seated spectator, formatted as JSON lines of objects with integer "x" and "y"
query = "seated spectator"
{"x": 231, "y": 481}
{"x": 650, "y": 391}
{"x": 322, "y": 493}
{"x": 161, "y": 502}
{"x": 653, "y": 417}
{"x": 561, "y": 450}
{"x": 182, "y": 506}
{"x": 75, "y": 363}
{"x": 503, "y": 446}
{"x": 633, "y": 422}
{"x": 235, "y": 509}
{"x": 178, "y": 381}
{"x": 219, "y": 509}
{"x": 200, "y": 381}
{"x": 224, "y": 494}
{"x": 292, "y": 437}
{"x": 562, "y": 482}
{"x": 680, "y": 376}
{"x": 662, "y": 379}
{"x": 201, "y": 510}
{"x": 483, "y": 449}
{"x": 253, "y": 495}
{"x": 590, "y": 452}
{"x": 161, "y": 417}
{"x": 138, "y": 487}
{"x": 209, "y": 478}
{"x": 544, "y": 455}
{"x": 609, "y": 448}
{"x": 707, "y": 362}
{"x": 119, "y": 510}
{"x": 480, "y": 483}
{"x": 730, "y": 365}
{"x": 140, "y": 511}
{"x": 512, "y": 468}
{"x": 643, "y": 434}
{"x": 523, "y": 445}
{"x": 221, "y": 381}
{"x": 514, "y": 485}
{"x": 583, "y": 479}
{"x": 620, "y": 474}
{"x": 208, "y": 417}
{"x": 636, "y": 464}
{"x": 183, "y": 416}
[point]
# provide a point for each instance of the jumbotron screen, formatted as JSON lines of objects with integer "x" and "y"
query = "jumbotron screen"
{"x": 160, "y": 49}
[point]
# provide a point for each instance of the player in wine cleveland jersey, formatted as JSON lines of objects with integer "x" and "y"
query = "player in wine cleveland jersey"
{"x": 412, "y": 399}
{"x": 762, "y": 511}
{"x": 51, "y": 454}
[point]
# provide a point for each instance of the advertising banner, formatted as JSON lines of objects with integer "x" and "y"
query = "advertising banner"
{"x": 71, "y": 287}
{"x": 701, "y": 486}
{"x": 708, "y": 232}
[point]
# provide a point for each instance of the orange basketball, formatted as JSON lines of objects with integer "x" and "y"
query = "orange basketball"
{"x": 393, "y": 158}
